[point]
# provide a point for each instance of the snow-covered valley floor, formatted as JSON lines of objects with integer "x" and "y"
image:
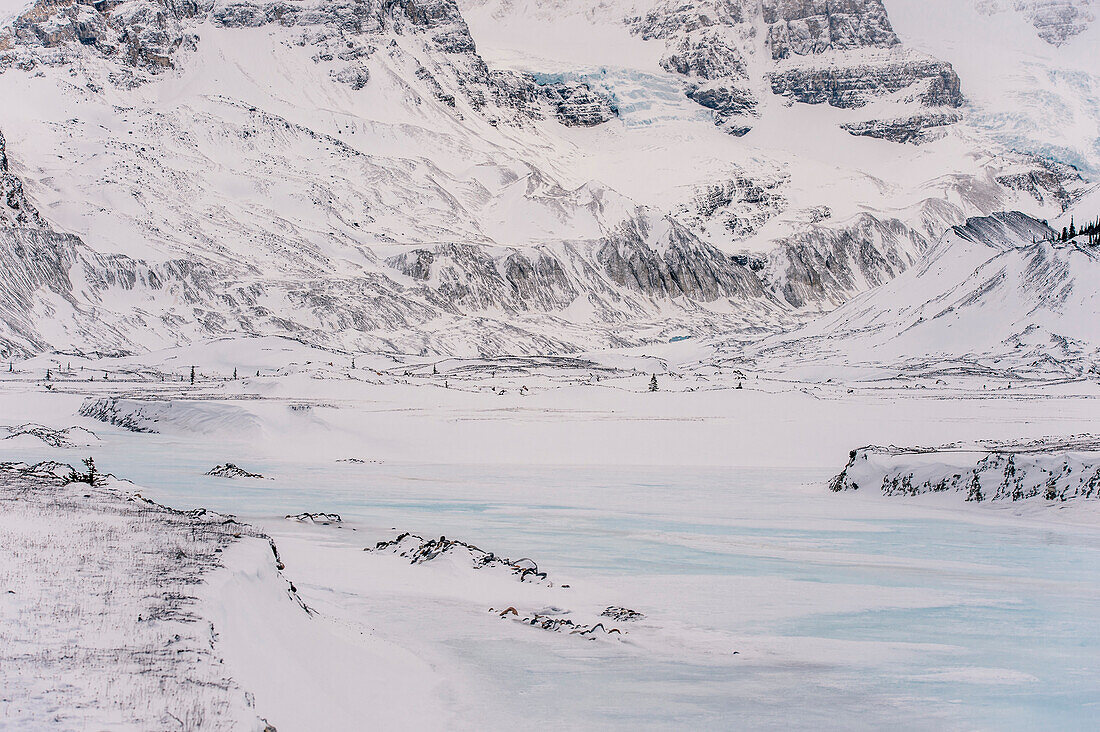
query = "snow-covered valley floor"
{"x": 768, "y": 601}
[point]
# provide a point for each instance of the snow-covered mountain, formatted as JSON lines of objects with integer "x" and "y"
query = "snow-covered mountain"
{"x": 482, "y": 177}
{"x": 1056, "y": 21}
{"x": 1030, "y": 69}
{"x": 998, "y": 294}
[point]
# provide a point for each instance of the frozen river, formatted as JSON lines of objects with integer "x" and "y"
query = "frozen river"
{"x": 845, "y": 610}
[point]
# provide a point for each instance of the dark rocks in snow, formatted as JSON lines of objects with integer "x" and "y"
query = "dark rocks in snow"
{"x": 418, "y": 550}
{"x": 566, "y": 625}
{"x": 15, "y": 209}
{"x": 804, "y": 28}
{"x": 578, "y": 105}
{"x": 743, "y": 203}
{"x": 142, "y": 34}
{"x": 1056, "y": 21}
{"x": 110, "y": 411}
{"x": 622, "y": 614}
{"x": 726, "y": 101}
{"x": 1057, "y": 470}
{"x": 324, "y": 519}
{"x": 933, "y": 83}
{"x": 841, "y": 53}
{"x": 68, "y": 437}
{"x": 823, "y": 264}
{"x": 916, "y": 129}
{"x": 687, "y": 267}
{"x": 705, "y": 56}
{"x": 1044, "y": 180}
{"x": 229, "y": 470}
{"x": 573, "y": 102}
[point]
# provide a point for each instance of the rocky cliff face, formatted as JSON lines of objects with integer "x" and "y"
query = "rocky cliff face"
{"x": 15, "y": 209}
{"x": 801, "y": 28}
{"x": 147, "y": 37}
{"x": 712, "y": 45}
{"x": 143, "y": 34}
{"x": 855, "y": 82}
{"x": 838, "y": 52}
{"x": 830, "y": 265}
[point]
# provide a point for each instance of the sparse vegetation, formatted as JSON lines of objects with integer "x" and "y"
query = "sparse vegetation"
{"x": 91, "y": 475}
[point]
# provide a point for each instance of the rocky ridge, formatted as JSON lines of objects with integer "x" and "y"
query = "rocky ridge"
{"x": 845, "y": 54}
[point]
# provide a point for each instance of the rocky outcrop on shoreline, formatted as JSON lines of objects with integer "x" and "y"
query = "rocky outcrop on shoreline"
{"x": 1055, "y": 471}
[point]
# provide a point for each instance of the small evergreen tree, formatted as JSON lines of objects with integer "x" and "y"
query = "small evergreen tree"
{"x": 653, "y": 383}
{"x": 234, "y": 374}
{"x": 91, "y": 476}
{"x": 192, "y": 375}
{"x": 974, "y": 491}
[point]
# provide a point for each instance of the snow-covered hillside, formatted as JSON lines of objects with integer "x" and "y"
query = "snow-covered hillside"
{"x": 1053, "y": 470}
{"x": 383, "y": 175}
{"x": 997, "y": 294}
{"x": 1030, "y": 69}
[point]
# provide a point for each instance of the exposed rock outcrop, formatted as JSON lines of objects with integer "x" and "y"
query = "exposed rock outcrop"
{"x": 916, "y": 129}
{"x": 856, "y": 82}
{"x": 230, "y": 470}
{"x": 840, "y": 52}
{"x": 15, "y": 209}
{"x": 1058, "y": 470}
{"x": 418, "y": 550}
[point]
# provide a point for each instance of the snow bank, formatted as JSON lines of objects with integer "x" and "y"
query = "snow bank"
{"x": 100, "y": 621}
{"x": 1057, "y": 471}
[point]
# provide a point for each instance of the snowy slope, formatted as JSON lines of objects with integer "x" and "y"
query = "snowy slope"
{"x": 996, "y": 292}
{"x": 1030, "y": 94}
{"x": 359, "y": 177}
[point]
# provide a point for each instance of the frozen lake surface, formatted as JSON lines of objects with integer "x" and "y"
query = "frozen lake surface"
{"x": 844, "y": 610}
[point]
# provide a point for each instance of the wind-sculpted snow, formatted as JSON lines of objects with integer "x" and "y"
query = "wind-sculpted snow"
{"x": 1061, "y": 470}
{"x": 192, "y": 417}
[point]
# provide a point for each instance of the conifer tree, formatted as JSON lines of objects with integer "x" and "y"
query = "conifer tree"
{"x": 653, "y": 383}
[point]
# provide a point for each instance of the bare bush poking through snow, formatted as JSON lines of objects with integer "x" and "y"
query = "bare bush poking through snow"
{"x": 101, "y": 624}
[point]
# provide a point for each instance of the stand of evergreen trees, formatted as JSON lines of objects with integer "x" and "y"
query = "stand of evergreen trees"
{"x": 1090, "y": 230}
